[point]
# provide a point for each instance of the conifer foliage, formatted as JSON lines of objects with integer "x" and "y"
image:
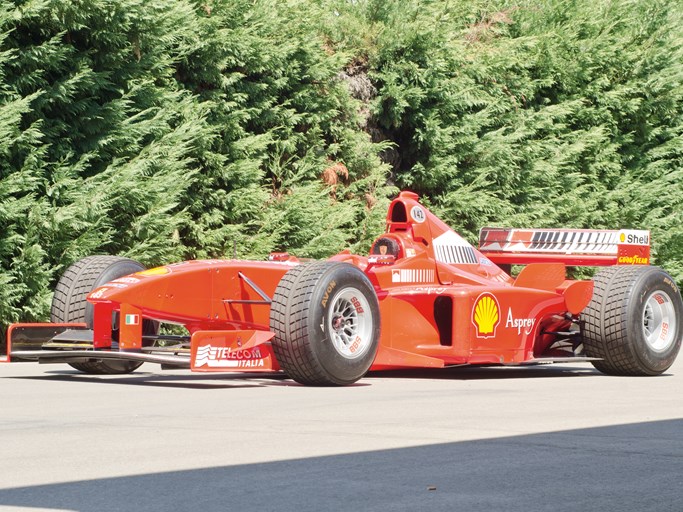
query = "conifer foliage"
{"x": 558, "y": 113}
{"x": 181, "y": 129}
{"x": 171, "y": 130}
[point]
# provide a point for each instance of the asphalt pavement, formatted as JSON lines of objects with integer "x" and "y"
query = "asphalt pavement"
{"x": 547, "y": 438}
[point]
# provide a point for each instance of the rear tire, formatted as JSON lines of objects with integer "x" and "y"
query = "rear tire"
{"x": 69, "y": 303}
{"x": 325, "y": 317}
{"x": 634, "y": 321}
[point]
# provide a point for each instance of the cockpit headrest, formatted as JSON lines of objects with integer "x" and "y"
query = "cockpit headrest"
{"x": 387, "y": 246}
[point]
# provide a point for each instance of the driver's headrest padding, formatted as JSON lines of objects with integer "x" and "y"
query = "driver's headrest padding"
{"x": 386, "y": 246}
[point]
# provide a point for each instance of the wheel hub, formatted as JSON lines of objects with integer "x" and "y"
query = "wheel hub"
{"x": 659, "y": 321}
{"x": 337, "y": 323}
{"x": 350, "y": 323}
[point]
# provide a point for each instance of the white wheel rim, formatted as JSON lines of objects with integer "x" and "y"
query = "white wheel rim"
{"x": 659, "y": 321}
{"x": 350, "y": 323}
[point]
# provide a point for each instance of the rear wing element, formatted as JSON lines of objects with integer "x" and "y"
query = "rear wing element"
{"x": 577, "y": 247}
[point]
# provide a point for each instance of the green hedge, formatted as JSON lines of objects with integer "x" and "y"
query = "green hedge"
{"x": 177, "y": 129}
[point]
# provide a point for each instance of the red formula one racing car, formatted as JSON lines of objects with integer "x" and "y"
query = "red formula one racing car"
{"x": 424, "y": 297}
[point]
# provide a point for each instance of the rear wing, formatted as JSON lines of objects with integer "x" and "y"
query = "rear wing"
{"x": 576, "y": 247}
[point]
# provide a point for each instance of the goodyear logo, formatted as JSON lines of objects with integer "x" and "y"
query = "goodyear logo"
{"x": 633, "y": 260}
{"x": 486, "y": 315}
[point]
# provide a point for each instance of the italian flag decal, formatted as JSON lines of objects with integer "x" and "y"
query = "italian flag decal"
{"x": 132, "y": 319}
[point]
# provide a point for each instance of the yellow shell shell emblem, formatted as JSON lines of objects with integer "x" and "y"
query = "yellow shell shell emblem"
{"x": 156, "y": 271}
{"x": 485, "y": 315}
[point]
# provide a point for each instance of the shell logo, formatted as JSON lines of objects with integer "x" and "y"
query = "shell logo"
{"x": 486, "y": 315}
{"x": 156, "y": 271}
{"x": 622, "y": 238}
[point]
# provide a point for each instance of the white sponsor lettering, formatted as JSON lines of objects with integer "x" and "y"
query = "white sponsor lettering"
{"x": 525, "y": 324}
{"x": 225, "y": 357}
{"x": 98, "y": 293}
{"x": 634, "y": 237}
{"x": 485, "y": 261}
{"x": 127, "y": 280}
{"x": 430, "y": 289}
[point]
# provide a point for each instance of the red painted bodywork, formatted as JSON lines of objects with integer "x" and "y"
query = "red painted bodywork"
{"x": 442, "y": 301}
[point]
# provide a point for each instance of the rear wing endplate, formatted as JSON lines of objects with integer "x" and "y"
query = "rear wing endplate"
{"x": 576, "y": 247}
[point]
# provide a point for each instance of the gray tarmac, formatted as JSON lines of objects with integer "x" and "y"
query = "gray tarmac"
{"x": 546, "y": 438}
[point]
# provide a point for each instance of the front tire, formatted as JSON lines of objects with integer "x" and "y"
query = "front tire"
{"x": 325, "y": 317}
{"x": 69, "y": 303}
{"x": 634, "y": 322}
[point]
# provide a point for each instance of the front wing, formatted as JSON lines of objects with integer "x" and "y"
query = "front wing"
{"x": 204, "y": 351}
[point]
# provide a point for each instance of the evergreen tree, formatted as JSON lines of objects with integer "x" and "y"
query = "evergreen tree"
{"x": 164, "y": 131}
{"x": 286, "y": 120}
{"x": 173, "y": 130}
{"x": 101, "y": 142}
{"x": 519, "y": 113}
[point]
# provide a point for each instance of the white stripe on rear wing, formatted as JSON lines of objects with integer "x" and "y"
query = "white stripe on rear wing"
{"x": 571, "y": 246}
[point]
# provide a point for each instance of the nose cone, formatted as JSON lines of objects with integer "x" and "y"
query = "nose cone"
{"x": 115, "y": 290}
{"x": 180, "y": 291}
{"x": 202, "y": 292}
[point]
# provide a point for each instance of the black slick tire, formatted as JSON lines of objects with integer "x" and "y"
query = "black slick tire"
{"x": 69, "y": 303}
{"x": 325, "y": 316}
{"x": 634, "y": 321}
